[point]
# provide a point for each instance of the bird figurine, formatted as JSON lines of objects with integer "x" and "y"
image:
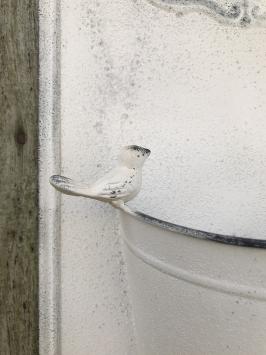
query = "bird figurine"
{"x": 118, "y": 186}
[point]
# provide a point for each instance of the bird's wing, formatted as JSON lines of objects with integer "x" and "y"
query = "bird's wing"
{"x": 114, "y": 185}
{"x": 69, "y": 186}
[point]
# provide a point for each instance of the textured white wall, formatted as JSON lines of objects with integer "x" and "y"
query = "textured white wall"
{"x": 96, "y": 314}
{"x": 193, "y": 91}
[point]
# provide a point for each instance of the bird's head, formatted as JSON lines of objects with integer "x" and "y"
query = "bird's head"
{"x": 134, "y": 156}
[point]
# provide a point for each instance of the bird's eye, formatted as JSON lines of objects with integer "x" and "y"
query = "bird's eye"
{"x": 138, "y": 156}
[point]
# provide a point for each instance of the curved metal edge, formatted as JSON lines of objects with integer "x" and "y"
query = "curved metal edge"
{"x": 221, "y": 286}
{"x": 190, "y": 232}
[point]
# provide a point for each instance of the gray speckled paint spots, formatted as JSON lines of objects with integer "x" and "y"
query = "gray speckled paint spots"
{"x": 98, "y": 126}
{"x": 49, "y": 163}
{"x": 235, "y": 12}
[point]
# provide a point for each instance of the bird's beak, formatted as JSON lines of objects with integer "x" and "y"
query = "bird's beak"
{"x": 147, "y": 151}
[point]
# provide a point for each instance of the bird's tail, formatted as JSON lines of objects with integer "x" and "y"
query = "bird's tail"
{"x": 70, "y": 187}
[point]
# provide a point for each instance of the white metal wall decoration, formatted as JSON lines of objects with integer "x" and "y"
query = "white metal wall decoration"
{"x": 193, "y": 89}
{"x": 238, "y": 12}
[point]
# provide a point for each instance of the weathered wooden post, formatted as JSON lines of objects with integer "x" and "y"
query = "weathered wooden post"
{"x": 18, "y": 178}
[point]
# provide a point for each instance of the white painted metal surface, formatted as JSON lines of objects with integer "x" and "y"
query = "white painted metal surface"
{"x": 193, "y": 296}
{"x": 183, "y": 82}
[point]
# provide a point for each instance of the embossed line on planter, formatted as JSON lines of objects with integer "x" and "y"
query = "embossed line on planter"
{"x": 258, "y": 294}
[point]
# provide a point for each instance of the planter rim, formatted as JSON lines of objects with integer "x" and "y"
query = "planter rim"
{"x": 196, "y": 233}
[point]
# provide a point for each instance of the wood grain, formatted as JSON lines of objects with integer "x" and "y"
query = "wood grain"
{"x": 18, "y": 177}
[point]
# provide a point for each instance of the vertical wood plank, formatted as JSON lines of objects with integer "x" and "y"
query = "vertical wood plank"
{"x": 18, "y": 177}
